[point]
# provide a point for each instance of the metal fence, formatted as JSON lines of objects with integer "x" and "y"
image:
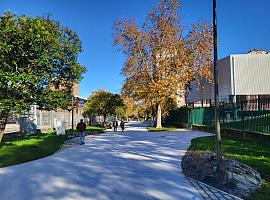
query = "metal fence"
{"x": 177, "y": 116}
{"x": 248, "y": 115}
{"x": 45, "y": 120}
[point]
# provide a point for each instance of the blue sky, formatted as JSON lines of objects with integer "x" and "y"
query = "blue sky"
{"x": 242, "y": 26}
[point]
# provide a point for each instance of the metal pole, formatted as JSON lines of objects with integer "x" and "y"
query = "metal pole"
{"x": 210, "y": 114}
{"x": 72, "y": 113}
{"x": 220, "y": 168}
{"x": 69, "y": 121}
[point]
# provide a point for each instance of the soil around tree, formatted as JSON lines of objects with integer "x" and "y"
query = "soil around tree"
{"x": 239, "y": 179}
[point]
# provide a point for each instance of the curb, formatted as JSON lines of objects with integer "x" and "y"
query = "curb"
{"x": 210, "y": 193}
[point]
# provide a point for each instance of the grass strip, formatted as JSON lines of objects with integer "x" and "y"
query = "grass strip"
{"x": 29, "y": 148}
{"x": 254, "y": 154}
{"x": 33, "y": 147}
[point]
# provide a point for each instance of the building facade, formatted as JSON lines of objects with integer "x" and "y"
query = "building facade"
{"x": 241, "y": 76}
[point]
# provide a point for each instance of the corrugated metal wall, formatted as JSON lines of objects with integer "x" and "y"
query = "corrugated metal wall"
{"x": 205, "y": 90}
{"x": 243, "y": 74}
{"x": 252, "y": 74}
{"x": 225, "y": 77}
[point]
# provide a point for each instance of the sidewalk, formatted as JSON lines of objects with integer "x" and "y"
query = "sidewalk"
{"x": 134, "y": 165}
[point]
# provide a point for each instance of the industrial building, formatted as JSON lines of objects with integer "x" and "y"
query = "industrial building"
{"x": 241, "y": 77}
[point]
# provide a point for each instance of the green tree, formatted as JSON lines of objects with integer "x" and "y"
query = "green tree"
{"x": 38, "y": 59}
{"x": 102, "y": 103}
{"x": 120, "y": 112}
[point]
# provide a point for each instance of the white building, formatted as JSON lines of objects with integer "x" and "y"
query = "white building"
{"x": 241, "y": 76}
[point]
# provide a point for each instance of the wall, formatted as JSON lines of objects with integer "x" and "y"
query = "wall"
{"x": 243, "y": 74}
{"x": 252, "y": 74}
{"x": 204, "y": 90}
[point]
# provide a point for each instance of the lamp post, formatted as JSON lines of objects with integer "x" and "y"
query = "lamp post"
{"x": 70, "y": 108}
{"x": 220, "y": 167}
{"x": 72, "y": 113}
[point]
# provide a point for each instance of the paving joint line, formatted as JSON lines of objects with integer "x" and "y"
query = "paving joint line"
{"x": 211, "y": 190}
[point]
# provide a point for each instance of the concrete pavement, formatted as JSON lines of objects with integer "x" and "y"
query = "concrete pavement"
{"x": 134, "y": 165}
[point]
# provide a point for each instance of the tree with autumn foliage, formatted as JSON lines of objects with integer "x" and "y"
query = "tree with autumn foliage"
{"x": 131, "y": 108}
{"x": 160, "y": 60}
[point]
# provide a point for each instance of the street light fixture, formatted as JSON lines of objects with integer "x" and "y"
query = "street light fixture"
{"x": 69, "y": 108}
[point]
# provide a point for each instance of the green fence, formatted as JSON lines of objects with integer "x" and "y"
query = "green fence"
{"x": 202, "y": 116}
{"x": 177, "y": 117}
{"x": 249, "y": 115}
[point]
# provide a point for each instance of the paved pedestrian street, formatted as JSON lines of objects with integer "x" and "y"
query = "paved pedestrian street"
{"x": 129, "y": 165}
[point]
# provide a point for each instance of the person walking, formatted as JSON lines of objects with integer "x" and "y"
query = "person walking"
{"x": 122, "y": 124}
{"x": 115, "y": 125}
{"x": 81, "y": 127}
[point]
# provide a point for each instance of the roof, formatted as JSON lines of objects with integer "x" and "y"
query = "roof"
{"x": 257, "y": 51}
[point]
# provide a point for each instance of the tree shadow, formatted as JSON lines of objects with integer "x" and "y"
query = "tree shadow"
{"x": 133, "y": 165}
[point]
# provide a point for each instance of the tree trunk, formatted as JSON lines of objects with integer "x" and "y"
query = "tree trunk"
{"x": 152, "y": 123}
{"x": 3, "y": 122}
{"x": 2, "y": 130}
{"x": 151, "y": 118}
{"x": 104, "y": 120}
{"x": 91, "y": 120}
{"x": 159, "y": 124}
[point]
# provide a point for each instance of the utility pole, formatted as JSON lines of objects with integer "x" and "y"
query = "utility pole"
{"x": 220, "y": 167}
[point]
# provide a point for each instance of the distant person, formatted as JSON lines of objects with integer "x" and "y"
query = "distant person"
{"x": 115, "y": 125}
{"x": 122, "y": 124}
{"x": 81, "y": 127}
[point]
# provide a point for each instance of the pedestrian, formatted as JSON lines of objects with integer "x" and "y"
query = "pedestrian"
{"x": 81, "y": 127}
{"x": 115, "y": 125}
{"x": 122, "y": 124}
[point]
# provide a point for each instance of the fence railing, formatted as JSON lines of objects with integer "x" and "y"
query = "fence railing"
{"x": 249, "y": 115}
